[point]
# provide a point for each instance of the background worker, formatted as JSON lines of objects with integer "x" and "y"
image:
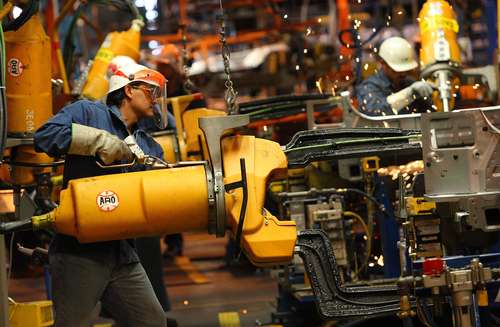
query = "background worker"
{"x": 83, "y": 274}
{"x": 391, "y": 90}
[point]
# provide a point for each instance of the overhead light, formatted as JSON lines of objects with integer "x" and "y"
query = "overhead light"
{"x": 16, "y": 12}
{"x": 151, "y": 14}
{"x": 153, "y": 44}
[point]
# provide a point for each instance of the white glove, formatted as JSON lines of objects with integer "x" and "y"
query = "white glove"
{"x": 89, "y": 141}
{"x": 422, "y": 89}
{"x": 403, "y": 98}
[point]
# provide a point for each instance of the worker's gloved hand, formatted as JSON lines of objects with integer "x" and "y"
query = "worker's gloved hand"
{"x": 406, "y": 96}
{"x": 422, "y": 89}
{"x": 89, "y": 141}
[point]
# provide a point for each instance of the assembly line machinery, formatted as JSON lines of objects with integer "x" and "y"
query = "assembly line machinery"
{"x": 217, "y": 179}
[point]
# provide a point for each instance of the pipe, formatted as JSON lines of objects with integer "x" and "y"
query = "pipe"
{"x": 56, "y": 43}
{"x": 6, "y": 9}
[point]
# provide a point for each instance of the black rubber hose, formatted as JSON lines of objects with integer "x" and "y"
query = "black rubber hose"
{"x": 26, "y": 14}
{"x": 134, "y": 9}
{"x": 15, "y": 226}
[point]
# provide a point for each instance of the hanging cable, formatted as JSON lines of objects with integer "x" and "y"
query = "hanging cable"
{"x": 188, "y": 84}
{"x": 231, "y": 96}
{"x": 368, "y": 239}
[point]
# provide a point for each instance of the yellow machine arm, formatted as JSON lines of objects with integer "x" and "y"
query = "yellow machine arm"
{"x": 126, "y": 43}
{"x": 195, "y": 197}
{"x": 439, "y": 53}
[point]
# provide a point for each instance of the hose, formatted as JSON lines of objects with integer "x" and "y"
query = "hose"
{"x": 378, "y": 205}
{"x": 25, "y": 15}
{"x": 368, "y": 236}
{"x": 15, "y": 226}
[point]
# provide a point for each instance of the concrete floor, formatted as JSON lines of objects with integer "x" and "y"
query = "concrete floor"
{"x": 250, "y": 293}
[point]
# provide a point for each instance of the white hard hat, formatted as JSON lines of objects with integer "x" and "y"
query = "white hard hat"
{"x": 125, "y": 75}
{"x": 118, "y": 62}
{"x": 157, "y": 90}
{"x": 398, "y": 54}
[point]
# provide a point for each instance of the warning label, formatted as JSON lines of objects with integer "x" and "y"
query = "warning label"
{"x": 15, "y": 67}
{"x": 107, "y": 200}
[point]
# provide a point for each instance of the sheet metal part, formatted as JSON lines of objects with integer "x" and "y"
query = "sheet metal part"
{"x": 284, "y": 105}
{"x": 335, "y": 301}
{"x": 339, "y": 143}
{"x": 460, "y": 150}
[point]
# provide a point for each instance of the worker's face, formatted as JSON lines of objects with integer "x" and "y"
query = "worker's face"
{"x": 394, "y": 77}
{"x": 142, "y": 99}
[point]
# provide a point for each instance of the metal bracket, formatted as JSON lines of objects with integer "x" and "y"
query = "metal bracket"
{"x": 213, "y": 128}
{"x": 310, "y": 106}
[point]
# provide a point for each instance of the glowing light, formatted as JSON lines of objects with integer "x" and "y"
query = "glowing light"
{"x": 186, "y": 302}
{"x": 319, "y": 20}
{"x": 305, "y": 50}
{"x": 153, "y": 44}
{"x": 285, "y": 16}
{"x": 150, "y": 4}
{"x": 297, "y": 67}
{"x": 371, "y": 264}
{"x": 16, "y": 12}
{"x": 151, "y": 14}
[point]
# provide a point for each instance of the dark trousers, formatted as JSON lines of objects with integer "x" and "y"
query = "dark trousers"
{"x": 149, "y": 251}
{"x": 79, "y": 282}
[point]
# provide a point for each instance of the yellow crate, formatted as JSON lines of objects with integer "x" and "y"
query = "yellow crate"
{"x": 32, "y": 314}
{"x": 229, "y": 319}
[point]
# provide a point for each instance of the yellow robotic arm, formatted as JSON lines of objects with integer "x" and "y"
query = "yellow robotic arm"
{"x": 440, "y": 58}
{"x": 198, "y": 196}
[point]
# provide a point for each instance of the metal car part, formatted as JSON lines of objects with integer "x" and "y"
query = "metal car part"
{"x": 340, "y": 143}
{"x": 460, "y": 151}
{"x": 333, "y": 300}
